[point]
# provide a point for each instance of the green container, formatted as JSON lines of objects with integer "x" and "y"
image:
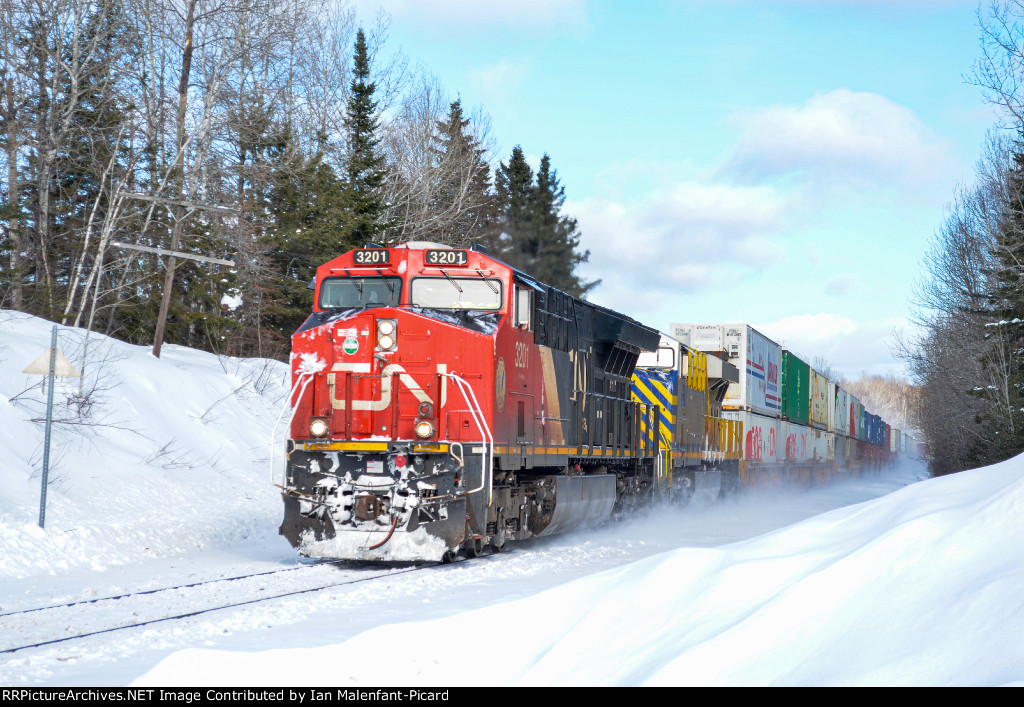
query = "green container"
{"x": 796, "y": 389}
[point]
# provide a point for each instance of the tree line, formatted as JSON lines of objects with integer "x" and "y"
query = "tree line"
{"x": 276, "y": 135}
{"x": 968, "y": 354}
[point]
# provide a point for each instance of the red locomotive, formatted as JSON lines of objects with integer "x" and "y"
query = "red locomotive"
{"x": 443, "y": 400}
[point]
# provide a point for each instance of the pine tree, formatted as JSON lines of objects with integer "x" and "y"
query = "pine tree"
{"x": 463, "y": 206}
{"x": 308, "y": 208}
{"x": 535, "y": 237}
{"x": 512, "y": 240}
{"x": 91, "y": 152}
{"x": 555, "y": 236}
{"x": 365, "y": 167}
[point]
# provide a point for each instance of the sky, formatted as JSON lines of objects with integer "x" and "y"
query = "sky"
{"x": 779, "y": 162}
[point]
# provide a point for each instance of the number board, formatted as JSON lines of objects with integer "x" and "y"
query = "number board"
{"x": 446, "y": 257}
{"x": 376, "y": 256}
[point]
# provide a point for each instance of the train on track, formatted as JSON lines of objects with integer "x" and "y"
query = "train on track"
{"x": 444, "y": 402}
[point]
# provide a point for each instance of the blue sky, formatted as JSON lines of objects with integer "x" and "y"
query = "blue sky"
{"x": 779, "y": 162}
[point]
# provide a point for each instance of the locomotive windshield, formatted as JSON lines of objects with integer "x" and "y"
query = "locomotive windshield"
{"x": 360, "y": 292}
{"x": 456, "y": 293}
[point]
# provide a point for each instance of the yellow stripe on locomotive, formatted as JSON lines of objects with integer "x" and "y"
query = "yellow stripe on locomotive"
{"x": 657, "y": 389}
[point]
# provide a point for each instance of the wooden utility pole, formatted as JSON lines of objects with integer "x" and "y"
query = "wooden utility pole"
{"x": 173, "y": 254}
{"x": 165, "y": 298}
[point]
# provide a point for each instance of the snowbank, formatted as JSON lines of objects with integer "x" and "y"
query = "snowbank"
{"x": 159, "y": 456}
{"x": 920, "y": 587}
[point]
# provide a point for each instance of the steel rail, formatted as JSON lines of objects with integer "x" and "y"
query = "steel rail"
{"x": 199, "y": 612}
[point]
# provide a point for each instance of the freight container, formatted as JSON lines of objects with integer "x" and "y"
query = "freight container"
{"x": 802, "y": 444}
{"x": 830, "y": 403}
{"x": 843, "y": 446}
{"x": 854, "y": 406}
{"x": 761, "y": 436}
{"x": 758, "y": 358}
{"x": 796, "y": 446}
{"x": 796, "y": 389}
{"x": 842, "y": 407}
{"x": 819, "y": 400}
{"x": 896, "y": 443}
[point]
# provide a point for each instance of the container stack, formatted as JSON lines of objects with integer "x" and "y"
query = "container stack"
{"x": 794, "y": 419}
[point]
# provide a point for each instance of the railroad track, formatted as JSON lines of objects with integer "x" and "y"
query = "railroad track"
{"x": 191, "y": 585}
{"x": 57, "y": 614}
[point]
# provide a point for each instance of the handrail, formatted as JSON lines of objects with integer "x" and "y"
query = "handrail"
{"x": 308, "y": 375}
{"x": 487, "y": 454}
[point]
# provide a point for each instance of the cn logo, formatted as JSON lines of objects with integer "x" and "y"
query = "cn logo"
{"x": 338, "y": 401}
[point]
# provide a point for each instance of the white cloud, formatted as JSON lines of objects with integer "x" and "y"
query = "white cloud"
{"x": 513, "y": 13}
{"x": 848, "y": 346}
{"x": 679, "y": 239}
{"x": 809, "y": 328}
{"x": 839, "y": 137}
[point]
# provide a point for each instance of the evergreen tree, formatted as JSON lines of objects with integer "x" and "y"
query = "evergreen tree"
{"x": 535, "y": 237}
{"x": 309, "y": 208}
{"x": 555, "y": 236}
{"x": 512, "y": 241}
{"x": 463, "y": 206}
{"x": 80, "y": 125}
{"x": 365, "y": 168}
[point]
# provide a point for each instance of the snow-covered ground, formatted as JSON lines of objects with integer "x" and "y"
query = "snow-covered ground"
{"x": 165, "y": 482}
{"x": 169, "y": 454}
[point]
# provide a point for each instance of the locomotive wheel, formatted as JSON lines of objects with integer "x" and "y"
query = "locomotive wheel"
{"x": 682, "y": 491}
{"x": 448, "y": 557}
{"x": 473, "y": 547}
{"x": 497, "y": 543}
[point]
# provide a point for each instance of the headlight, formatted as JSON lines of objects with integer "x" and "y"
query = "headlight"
{"x": 424, "y": 429}
{"x": 386, "y": 333}
{"x": 318, "y": 427}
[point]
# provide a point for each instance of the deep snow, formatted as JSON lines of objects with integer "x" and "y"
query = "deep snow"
{"x": 902, "y": 583}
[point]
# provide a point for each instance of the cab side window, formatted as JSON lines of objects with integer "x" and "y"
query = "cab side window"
{"x": 523, "y": 308}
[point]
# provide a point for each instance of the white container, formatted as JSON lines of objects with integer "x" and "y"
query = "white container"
{"x": 804, "y": 445}
{"x": 758, "y": 358}
{"x": 842, "y": 412}
{"x": 761, "y": 436}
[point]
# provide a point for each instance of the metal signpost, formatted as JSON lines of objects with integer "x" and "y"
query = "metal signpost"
{"x": 58, "y": 366}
